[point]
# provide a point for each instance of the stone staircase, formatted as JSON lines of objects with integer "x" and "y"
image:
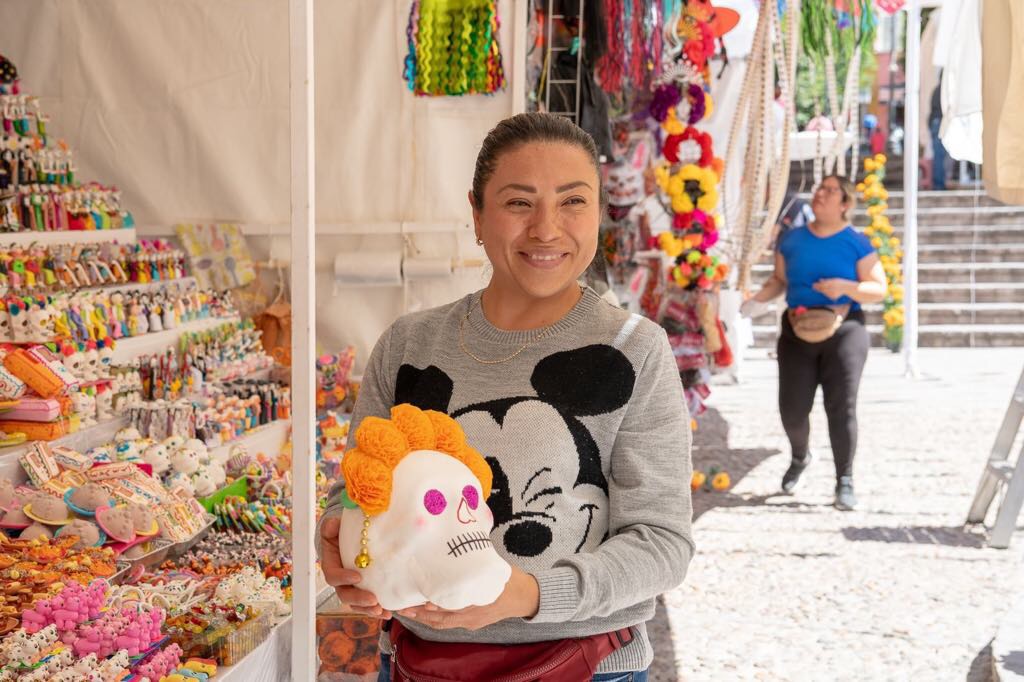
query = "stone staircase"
{"x": 970, "y": 272}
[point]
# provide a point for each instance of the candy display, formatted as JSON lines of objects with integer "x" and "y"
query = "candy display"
{"x": 145, "y": 501}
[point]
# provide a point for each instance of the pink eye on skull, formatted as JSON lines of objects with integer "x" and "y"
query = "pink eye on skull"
{"x": 472, "y": 498}
{"x": 434, "y": 502}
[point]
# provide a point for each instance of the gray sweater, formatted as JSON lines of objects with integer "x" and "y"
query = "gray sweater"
{"x": 588, "y": 437}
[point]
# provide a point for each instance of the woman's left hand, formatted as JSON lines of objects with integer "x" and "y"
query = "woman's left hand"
{"x": 520, "y": 599}
{"x": 835, "y": 287}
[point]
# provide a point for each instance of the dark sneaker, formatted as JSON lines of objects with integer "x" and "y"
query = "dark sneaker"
{"x": 792, "y": 475}
{"x": 845, "y": 499}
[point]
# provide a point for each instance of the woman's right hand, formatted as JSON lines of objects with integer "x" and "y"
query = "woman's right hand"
{"x": 342, "y": 579}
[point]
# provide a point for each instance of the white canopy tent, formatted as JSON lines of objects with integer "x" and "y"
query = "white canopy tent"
{"x": 290, "y": 118}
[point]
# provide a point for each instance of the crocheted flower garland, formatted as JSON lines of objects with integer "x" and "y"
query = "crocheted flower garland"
{"x": 453, "y": 48}
{"x": 890, "y": 250}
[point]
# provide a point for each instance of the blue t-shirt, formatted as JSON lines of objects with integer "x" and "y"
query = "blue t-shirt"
{"x": 810, "y": 258}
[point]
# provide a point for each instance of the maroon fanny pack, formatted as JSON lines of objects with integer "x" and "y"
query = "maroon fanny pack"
{"x": 414, "y": 659}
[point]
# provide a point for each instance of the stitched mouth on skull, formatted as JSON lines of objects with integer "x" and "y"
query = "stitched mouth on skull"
{"x": 464, "y": 543}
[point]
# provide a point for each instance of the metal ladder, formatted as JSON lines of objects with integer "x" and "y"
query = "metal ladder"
{"x": 549, "y": 56}
{"x": 999, "y": 471}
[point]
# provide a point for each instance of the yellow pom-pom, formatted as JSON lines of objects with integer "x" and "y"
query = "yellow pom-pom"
{"x": 721, "y": 481}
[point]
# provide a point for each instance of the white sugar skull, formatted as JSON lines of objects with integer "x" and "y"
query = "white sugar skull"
{"x": 185, "y": 460}
{"x": 157, "y": 457}
{"x": 202, "y": 482}
{"x": 217, "y": 472}
{"x": 104, "y": 404}
{"x": 436, "y": 525}
{"x": 40, "y": 324}
{"x": 127, "y": 451}
{"x": 127, "y": 433}
{"x": 85, "y": 405}
{"x": 106, "y": 359}
{"x": 92, "y": 364}
{"x": 20, "y": 324}
{"x": 5, "y": 325}
{"x": 74, "y": 361}
{"x": 180, "y": 480}
{"x": 200, "y": 447}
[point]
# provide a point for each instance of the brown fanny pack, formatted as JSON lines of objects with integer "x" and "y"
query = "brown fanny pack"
{"x": 815, "y": 325}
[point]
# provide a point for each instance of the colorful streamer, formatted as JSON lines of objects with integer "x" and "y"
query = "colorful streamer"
{"x": 453, "y": 48}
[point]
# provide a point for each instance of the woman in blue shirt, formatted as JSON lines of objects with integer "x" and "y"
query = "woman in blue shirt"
{"x": 826, "y": 264}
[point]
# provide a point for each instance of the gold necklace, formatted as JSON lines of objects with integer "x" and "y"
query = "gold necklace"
{"x": 462, "y": 340}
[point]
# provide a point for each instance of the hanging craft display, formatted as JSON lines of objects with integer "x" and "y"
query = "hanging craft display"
{"x": 453, "y": 48}
{"x": 688, "y": 176}
{"x": 758, "y": 168}
{"x": 634, "y": 52}
{"x": 890, "y": 250}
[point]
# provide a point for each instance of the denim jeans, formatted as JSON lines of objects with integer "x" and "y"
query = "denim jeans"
{"x": 940, "y": 156}
{"x": 636, "y": 676}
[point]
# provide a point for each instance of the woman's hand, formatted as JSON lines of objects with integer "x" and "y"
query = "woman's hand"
{"x": 835, "y": 287}
{"x": 520, "y": 599}
{"x": 341, "y": 578}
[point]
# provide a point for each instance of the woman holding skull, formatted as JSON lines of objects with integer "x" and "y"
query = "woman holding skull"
{"x": 576, "y": 406}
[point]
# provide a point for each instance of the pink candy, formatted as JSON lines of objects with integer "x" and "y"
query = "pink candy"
{"x": 67, "y": 610}
{"x": 126, "y": 629}
{"x": 161, "y": 663}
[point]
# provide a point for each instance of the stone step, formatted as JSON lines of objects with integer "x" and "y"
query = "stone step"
{"x": 930, "y": 314}
{"x": 980, "y": 292}
{"x": 964, "y": 216}
{"x": 939, "y": 273}
{"x": 949, "y": 336}
{"x": 966, "y": 235}
{"x": 929, "y": 199}
{"x": 970, "y": 253}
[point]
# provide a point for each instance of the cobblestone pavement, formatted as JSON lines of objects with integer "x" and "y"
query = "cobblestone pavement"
{"x": 788, "y": 588}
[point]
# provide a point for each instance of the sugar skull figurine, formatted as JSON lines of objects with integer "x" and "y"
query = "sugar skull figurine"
{"x": 157, "y": 457}
{"x": 418, "y": 491}
{"x": 185, "y": 460}
{"x": 203, "y": 482}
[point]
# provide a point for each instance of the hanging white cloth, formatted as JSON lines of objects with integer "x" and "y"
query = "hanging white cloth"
{"x": 962, "y": 122}
{"x": 1003, "y": 81}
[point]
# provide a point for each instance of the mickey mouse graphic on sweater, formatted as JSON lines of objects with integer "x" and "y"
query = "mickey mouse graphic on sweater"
{"x": 550, "y": 491}
{"x": 588, "y": 438}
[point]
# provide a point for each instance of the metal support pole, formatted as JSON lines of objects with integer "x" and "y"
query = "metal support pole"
{"x": 910, "y": 175}
{"x": 303, "y": 232}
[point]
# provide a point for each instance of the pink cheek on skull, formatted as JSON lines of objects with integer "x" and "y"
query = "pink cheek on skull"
{"x": 421, "y": 521}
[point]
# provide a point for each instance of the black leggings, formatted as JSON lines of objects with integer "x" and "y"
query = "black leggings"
{"x": 836, "y": 364}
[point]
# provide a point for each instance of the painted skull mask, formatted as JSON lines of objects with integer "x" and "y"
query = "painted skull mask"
{"x": 432, "y": 542}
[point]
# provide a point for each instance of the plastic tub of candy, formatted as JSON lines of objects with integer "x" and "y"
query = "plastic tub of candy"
{"x": 147, "y": 554}
{"x": 123, "y": 567}
{"x": 227, "y": 640}
{"x": 181, "y": 548}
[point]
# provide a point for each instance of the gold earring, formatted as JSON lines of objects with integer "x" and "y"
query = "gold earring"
{"x": 363, "y": 558}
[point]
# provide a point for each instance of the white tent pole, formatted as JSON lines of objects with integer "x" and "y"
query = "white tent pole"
{"x": 910, "y": 175}
{"x": 520, "y": 31}
{"x": 303, "y": 232}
